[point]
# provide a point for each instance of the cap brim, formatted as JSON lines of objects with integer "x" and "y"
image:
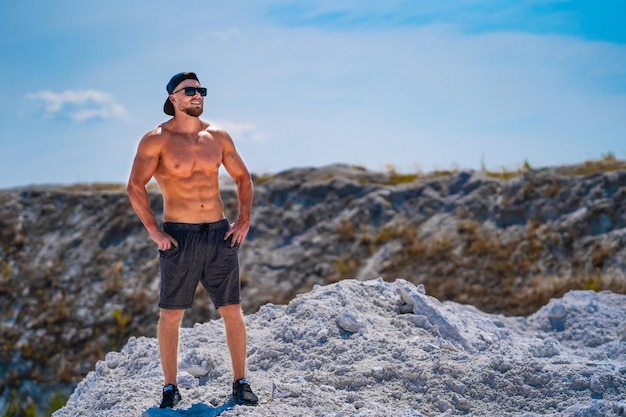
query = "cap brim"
{"x": 168, "y": 107}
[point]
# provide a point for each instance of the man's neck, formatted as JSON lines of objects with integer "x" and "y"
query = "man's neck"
{"x": 183, "y": 122}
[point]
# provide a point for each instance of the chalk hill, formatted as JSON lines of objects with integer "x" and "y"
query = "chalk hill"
{"x": 375, "y": 348}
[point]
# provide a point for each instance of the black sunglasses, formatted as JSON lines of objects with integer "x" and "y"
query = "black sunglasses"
{"x": 191, "y": 91}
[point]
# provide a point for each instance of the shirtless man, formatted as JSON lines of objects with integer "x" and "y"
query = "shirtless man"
{"x": 196, "y": 243}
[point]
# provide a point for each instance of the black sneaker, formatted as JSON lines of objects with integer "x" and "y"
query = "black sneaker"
{"x": 171, "y": 396}
{"x": 242, "y": 393}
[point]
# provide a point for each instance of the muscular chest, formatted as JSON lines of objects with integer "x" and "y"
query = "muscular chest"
{"x": 184, "y": 156}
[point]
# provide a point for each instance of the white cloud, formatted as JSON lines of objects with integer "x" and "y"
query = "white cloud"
{"x": 79, "y": 105}
{"x": 242, "y": 131}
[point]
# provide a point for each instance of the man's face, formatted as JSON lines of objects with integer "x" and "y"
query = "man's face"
{"x": 192, "y": 105}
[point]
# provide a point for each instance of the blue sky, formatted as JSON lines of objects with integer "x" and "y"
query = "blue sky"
{"x": 420, "y": 85}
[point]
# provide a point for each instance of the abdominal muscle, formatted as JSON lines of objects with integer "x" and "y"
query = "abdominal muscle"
{"x": 195, "y": 199}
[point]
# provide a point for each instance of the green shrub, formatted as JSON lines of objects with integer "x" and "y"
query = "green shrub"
{"x": 57, "y": 402}
{"x": 122, "y": 320}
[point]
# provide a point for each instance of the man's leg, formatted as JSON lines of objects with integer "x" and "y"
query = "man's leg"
{"x": 236, "y": 338}
{"x": 167, "y": 334}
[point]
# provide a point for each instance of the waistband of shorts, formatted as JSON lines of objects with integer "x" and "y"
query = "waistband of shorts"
{"x": 197, "y": 227}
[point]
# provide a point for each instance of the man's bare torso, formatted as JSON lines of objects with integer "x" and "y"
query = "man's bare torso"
{"x": 188, "y": 175}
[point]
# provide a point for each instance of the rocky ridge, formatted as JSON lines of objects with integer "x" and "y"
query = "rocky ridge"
{"x": 79, "y": 274}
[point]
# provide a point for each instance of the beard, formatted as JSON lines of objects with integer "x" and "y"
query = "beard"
{"x": 194, "y": 112}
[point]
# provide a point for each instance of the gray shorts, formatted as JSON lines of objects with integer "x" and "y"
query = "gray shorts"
{"x": 202, "y": 255}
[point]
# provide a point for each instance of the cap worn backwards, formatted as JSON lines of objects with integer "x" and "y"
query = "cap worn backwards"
{"x": 168, "y": 107}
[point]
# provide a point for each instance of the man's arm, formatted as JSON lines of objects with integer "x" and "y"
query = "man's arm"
{"x": 237, "y": 169}
{"x": 144, "y": 166}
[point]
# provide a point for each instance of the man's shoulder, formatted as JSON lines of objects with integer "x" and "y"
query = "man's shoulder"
{"x": 154, "y": 139}
{"x": 158, "y": 133}
{"x": 213, "y": 129}
{"x": 217, "y": 132}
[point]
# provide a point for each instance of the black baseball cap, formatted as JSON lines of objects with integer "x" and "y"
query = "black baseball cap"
{"x": 168, "y": 107}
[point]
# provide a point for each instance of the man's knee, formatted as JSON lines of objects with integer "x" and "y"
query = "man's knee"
{"x": 231, "y": 312}
{"x": 171, "y": 316}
